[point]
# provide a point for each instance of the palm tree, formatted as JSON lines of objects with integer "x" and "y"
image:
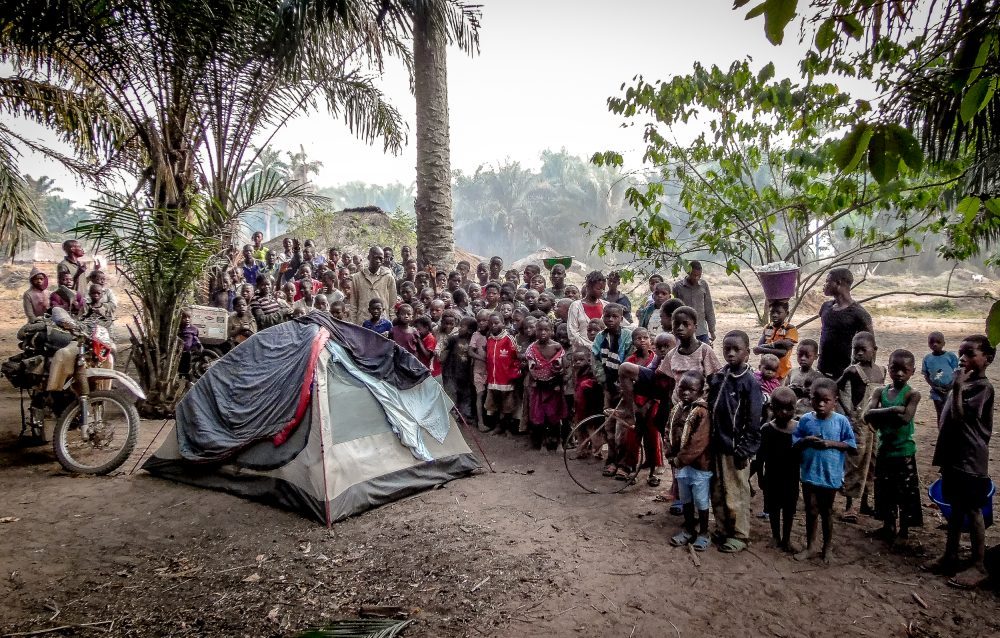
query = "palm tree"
{"x": 19, "y": 211}
{"x": 435, "y": 23}
{"x": 268, "y": 165}
{"x": 173, "y": 92}
{"x": 300, "y": 167}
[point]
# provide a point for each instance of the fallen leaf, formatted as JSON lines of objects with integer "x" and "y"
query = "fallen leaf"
{"x": 9, "y": 519}
{"x": 252, "y": 578}
{"x": 273, "y": 614}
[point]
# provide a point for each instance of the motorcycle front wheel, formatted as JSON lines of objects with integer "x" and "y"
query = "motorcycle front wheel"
{"x": 114, "y": 426}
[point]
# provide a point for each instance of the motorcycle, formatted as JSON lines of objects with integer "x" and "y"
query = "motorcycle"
{"x": 97, "y": 423}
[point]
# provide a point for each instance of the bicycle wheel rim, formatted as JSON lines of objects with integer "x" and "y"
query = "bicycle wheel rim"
{"x": 585, "y": 474}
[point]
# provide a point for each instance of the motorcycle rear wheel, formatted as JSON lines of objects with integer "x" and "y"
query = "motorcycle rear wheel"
{"x": 115, "y": 427}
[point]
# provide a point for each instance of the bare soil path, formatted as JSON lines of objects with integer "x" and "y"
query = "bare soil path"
{"x": 520, "y": 552}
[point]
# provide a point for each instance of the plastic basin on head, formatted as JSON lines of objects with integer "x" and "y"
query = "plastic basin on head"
{"x": 565, "y": 260}
{"x": 936, "y": 494}
{"x": 779, "y": 284}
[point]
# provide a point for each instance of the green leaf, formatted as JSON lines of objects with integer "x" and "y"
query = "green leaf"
{"x": 852, "y": 26}
{"x": 968, "y": 208}
{"x": 756, "y": 11}
{"x": 883, "y": 158}
{"x": 826, "y": 34}
{"x": 981, "y": 55}
{"x": 739, "y": 3}
{"x": 993, "y": 206}
{"x": 777, "y": 16}
{"x": 908, "y": 147}
{"x": 976, "y": 98}
{"x": 852, "y": 148}
{"x": 993, "y": 324}
{"x": 766, "y": 73}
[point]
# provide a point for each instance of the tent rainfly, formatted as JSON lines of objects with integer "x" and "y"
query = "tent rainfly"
{"x": 317, "y": 416}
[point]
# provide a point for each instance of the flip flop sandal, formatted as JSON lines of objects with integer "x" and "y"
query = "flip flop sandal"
{"x": 849, "y": 518}
{"x": 653, "y": 480}
{"x": 621, "y": 475}
{"x": 681, "y": 538}
{"x": 732, "y": 546}
{"x": 701, "y": 543}
{"x": 677, "y": 508}
{"x": 609, "y": 470}
{"x": 958, "y": 583}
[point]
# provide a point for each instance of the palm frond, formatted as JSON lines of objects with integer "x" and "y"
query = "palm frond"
{"x": 19, "y": 215}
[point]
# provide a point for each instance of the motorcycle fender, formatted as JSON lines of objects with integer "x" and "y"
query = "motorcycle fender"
{"x": 126, "y": 382}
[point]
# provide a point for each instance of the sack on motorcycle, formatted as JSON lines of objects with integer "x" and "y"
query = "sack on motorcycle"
{"x": 24, "y": 372}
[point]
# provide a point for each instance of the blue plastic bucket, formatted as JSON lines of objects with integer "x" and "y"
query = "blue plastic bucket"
{"x": 935, "y": 492}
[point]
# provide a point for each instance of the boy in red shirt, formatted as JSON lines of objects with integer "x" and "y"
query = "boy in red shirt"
{"x": 503, "y": 367}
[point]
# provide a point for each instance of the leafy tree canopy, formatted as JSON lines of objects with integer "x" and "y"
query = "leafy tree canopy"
{"x": 768, "y": 181}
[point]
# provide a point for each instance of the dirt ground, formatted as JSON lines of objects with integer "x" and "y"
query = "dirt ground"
{"x": 520, "y": 551}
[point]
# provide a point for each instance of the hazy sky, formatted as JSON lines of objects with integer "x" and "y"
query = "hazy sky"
{"x": 541, "y": 80}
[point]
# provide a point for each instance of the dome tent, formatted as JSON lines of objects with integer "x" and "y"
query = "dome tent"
{"x": 318, "y": 416}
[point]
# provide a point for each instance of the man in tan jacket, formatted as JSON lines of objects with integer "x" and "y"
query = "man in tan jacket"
{"x": 374, "y": 281}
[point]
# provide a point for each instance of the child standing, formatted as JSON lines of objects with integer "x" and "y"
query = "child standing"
{"x": 403, "y": 332}
{"x": 645, "y": 433}
{"x": 477, "y": 352}
{"x": 376, "y": 322}
{"x": 503, "y": 368}
{"x": 689, "y": 450}
{"x": 735, "y": 402}
{"x": 938, "y": 368}
{"x": 897, "y": 484}
{"x": 610, "y": 348}
{"x": 426, "y": 344}
{"x": 780, "y": 466}
{"x": 800, "y": 379}
{"x": 456, "y": 369}
{"x": 963, "y": 455}
{"x": 779, "y": 338}
{"x": 861, "y": 381}
{"x": 823, "y": 438}
{"x": 547, "y": 404}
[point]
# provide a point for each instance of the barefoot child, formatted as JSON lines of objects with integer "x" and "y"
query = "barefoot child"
{"x": 611, "y": 346}
{"x": 503, "y": 368}
{"x": 962, "y": 453}
{"x": 823, "y": 437}
{"x": 862, "y": 380}
{"x": 477, "y": 352}
{"x": 780, "y": 466}
{"x": 938, "y": 368}
{"x": 897, "y": 484}
{"x": 645, "y": 433}
{"x": 547, "y": 404}
{"x": 403, "y": 332}
{"x": 426, "y": 344}
{"x": 735, "y": 402}
{"x": 689, "y": 449}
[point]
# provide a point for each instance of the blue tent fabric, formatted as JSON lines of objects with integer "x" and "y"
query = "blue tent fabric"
{"x": 252, "y": 393}
{"x": 371, "y": 352}
{"x": 248, "y": 395}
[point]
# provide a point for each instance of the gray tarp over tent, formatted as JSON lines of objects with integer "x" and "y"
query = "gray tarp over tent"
{"x": 358, "y": 422}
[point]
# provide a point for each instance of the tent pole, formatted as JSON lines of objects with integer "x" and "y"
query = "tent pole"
{"x": 476, "y": 439}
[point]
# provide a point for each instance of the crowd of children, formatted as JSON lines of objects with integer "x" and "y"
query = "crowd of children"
{"x": 526, "y": 353}
{"x": 84, "y": 295}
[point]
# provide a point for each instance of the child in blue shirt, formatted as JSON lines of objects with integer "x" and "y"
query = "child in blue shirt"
{"x": 377, "y": 323}
{"x": 939, "y": 371}
{"x": 824, "y": 437}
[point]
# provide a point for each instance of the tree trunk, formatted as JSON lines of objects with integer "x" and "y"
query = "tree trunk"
{"x": 435, "y": 232}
